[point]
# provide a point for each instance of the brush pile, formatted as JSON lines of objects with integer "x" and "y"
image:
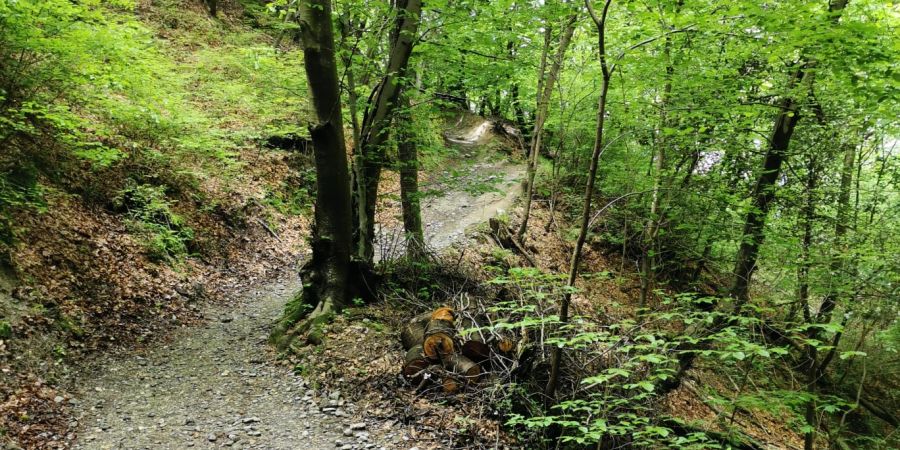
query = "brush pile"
{"x": 451, "y": 352}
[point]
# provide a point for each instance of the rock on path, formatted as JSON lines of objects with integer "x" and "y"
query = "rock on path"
{"x": 214, "y": 386}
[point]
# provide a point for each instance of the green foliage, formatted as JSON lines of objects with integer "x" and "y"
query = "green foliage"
{"x": 162, "y": 232}
{"x": 617, "y": 368}
{"x": 5, "y": 330}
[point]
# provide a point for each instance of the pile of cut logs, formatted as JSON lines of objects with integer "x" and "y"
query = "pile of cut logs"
{"x": 436, "y": 352}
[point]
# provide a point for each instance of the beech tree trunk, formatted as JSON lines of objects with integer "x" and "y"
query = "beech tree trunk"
{"x": 409, "y": 186}
{"x": 545, "y": 91}
{"x": 376, "y": 125}
{"x": 326, "y": 290}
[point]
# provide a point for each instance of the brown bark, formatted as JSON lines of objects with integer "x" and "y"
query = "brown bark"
{"x": 477, "y": 351}
{"x": 413, "y": 334}
{"x": 327, "y": 288}
{"x": 462, "y": 366}
{"x": 415, "y": 364}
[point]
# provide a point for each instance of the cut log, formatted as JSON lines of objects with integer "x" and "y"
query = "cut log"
{"x": 414, "y": 368}
{"x": 468, "y": 323}
{"x": 505, "y": 344}
{"x": 414, "y": 332}
{"x": 412, "y": 335}
{"x": 477, "y": 351}
{"x": 463, "y": 367}
{"x": 450, "y": 385}
{"x": 438, "y": 342}
{"x": 443, "y": 313}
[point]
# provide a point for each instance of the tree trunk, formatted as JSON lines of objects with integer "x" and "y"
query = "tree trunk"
{"x": 753, "y": 234}
{"x": 347, "y": 32}
{"x": 213, "y": 7}
{"x": 761, "y": 199}
{"x": 763, "y": 194}
{"x": 326, "y": 291}
{"x": 809, "y": 213}
{"x": 376, "y": 124}
{"x": 556, "y": 355}
{"x": 409, "y": 185}
{"x": 660, "y": 166}
{"x": 541, "y": 116}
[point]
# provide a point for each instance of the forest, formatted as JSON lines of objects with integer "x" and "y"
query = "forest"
{"x": 472, "y": 224}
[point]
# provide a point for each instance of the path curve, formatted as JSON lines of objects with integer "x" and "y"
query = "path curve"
{"x": 219, "y": 385}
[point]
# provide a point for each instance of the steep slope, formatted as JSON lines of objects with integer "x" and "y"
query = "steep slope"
{"x": 140, "y": 178}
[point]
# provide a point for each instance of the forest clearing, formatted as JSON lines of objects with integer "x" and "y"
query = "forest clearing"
{"x": 364, "y": 224}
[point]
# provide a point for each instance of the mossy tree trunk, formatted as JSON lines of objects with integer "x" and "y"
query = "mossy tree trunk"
{"x": 409, "y": 185}
{"x": 327, "y": 274}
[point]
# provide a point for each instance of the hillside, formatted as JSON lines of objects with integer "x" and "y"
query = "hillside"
{"x": 139, "y": 189}
{"x": 449, "y": 225}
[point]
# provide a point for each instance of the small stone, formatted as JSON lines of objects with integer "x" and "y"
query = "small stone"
{"x": 358, "y": 426}
{"x": 348, "y": 432}
{"x": 250, "y": 419}
{"x": 211, "y": 437}
{"x": 58, "y": 399}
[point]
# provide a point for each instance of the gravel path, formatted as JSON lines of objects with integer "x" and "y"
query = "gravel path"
{"x": 215, "y": 386}
{"x": 219, "y": 385}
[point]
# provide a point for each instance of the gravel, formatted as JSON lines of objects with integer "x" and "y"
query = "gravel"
{"x": 213, "y": 386}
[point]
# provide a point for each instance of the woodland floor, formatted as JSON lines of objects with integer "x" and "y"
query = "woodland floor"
{"x": 219, "y": 384}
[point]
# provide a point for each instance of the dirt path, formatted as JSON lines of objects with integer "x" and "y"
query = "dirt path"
{"x": 219, "y": 385}
{"x": 484, "y": 185}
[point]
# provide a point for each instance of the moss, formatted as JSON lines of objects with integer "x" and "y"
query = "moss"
{"x": 297, "y": 322}
{"x": 317, "y": 328}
